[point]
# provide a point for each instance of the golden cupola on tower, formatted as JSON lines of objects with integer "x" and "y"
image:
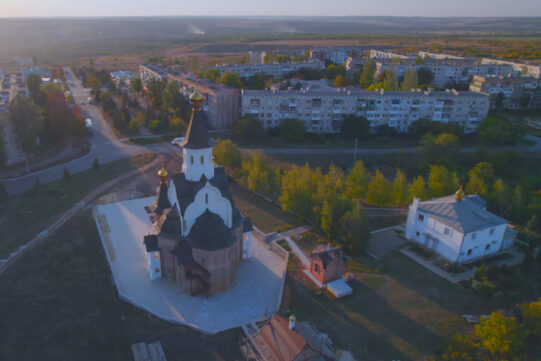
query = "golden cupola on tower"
{"x": 196, "y": 98}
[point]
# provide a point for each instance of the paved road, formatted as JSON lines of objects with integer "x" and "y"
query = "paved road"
{"x": 104, "y": 145}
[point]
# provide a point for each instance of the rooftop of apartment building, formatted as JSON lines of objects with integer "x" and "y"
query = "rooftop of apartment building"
{"x": 360, "y": 92}
{"x": 202, "y": 83}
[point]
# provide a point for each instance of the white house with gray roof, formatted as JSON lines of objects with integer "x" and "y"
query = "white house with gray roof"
{"x": 458, "y": 227}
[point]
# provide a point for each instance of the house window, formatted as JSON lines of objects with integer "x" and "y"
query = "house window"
{"x": 156, "y": 255}
{"x": 473, "y": 236}
{"x": 202, "y": 159}
{"x": 469, "y": 251}
{"x": 487, "y": 247}
{"x": 316, "y": 268}
{"x": 446, "y": 231}
{"x": 421, "y": 217}
{"x": 191, "y": 159}
{"x": 492, "y": 230}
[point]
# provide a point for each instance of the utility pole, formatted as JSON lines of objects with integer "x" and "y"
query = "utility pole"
{"x": 355, "y": 152}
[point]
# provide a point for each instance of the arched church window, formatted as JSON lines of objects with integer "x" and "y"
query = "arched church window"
{"x": 191, "y": 159}
{"x": 202, "y": 159}
{"x": 206, "y": 198}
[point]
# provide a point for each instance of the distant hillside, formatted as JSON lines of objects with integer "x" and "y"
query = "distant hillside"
{"x": 61, "y": 39}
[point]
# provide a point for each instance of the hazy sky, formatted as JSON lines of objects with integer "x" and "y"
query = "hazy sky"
{"x": 9, "y": 8}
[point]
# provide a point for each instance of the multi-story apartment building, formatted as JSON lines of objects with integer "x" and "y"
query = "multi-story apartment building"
{"x": 221, "y": 104}
{"x": 516, "y": 92}
{"x": 322, "y": 110}
{"x": 379, "y": 54}
{"x": 447, "y": 72}
{"x": 336, "y": 55}
{"x": 149, "y": 71}
{"x": 523, "y": 69}
{"x": 278, "y": 70}
{"x": 438, "y": 56}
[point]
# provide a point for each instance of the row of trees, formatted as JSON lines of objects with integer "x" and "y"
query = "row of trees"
{"x": 44, "y": 116}
{"x": 169, "y": 110}
{"x": 388, "y": 80}
{"x": 498, "y": 337}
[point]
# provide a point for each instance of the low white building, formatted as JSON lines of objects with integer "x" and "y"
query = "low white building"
{"x": 278, "y": 70}
{"x": 458, "y": 227}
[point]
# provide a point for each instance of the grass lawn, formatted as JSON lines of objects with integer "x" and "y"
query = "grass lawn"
{"x": 264, "y": 215}
{"x": 404, "y": 314}
{"x": 36, "y": 209}
{"x": 57, "y": 303}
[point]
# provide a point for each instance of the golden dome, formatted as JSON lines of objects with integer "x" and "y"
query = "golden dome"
{"x": 196, "y": 96}
{"x": 162, "y": 173}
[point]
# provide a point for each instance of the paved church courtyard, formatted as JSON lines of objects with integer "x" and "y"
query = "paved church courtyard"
{"x": 256, "y": 294}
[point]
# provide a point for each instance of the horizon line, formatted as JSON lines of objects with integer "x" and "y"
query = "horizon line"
{"x": 267, "y": 16}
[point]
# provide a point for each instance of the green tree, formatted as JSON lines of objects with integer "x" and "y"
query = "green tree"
{"x": 155, "y": 89}
{"x": 355, "y": 127}
{"x": 531, "y": 313}
{"x": 400, "y": 188}
{"x": 495, "y": 130}
{"x": 354, "y": 232}
{"x": 332, "y": 71}
{"x": 419, "y": 189}
{"x": 248, "y": 129}
{"x": 96, "y": 164}
{"x": 3, "y": 150}
{"x": 390, "y": 80}
{"x": 368, "y": 74}
{"x": 226, "y": 153}
{"x": 299, "y": 189}
{"x": 33, "y": 83}
{"x": 411, "y": 80}
{"x": 27, "y": 123}
{"x": 460, "y": 348}
{"x": 136, "y": 85}
{"x": 438, "y": 146}
{"x": 357, "y": 181}
{"x": 211, "y": 74}
{"x": 425, "y": 76}
{"x": 380, "y": 191}
{"x": 134, "y": 125}
{"x": 258, "y": 175}
{"x": 177, "y": 125}
{"x": 441, "y": 181}
{"x": 500, "y": 196}
{"x": 340, "y": 81}
{"x": 500, "y": 336}
{"x": 231, "y": 79}
{"x": 292, "y": 130}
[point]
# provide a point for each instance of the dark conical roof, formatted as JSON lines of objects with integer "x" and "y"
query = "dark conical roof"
{"x": 197, "y": 136}
{"x": 210, "y": 233}
{"x": 168, "y": 224}
{"x": 162, "y": 201}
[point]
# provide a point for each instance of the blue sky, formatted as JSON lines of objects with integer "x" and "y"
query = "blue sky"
{"x": 9, "y": 8}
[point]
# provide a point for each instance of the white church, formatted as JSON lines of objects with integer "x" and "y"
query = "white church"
{"x": 458, "y": 227}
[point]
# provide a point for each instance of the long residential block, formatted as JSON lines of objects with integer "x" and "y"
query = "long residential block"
{"x": 322, "y": 110}
{"x": 447, "y": 72}
{"x": 278, "y": 70}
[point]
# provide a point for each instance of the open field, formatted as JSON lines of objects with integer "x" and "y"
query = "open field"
{"x": 405, "y": 313}
{"x": 57, "y": 303}
{"x": 34, "y": 210}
